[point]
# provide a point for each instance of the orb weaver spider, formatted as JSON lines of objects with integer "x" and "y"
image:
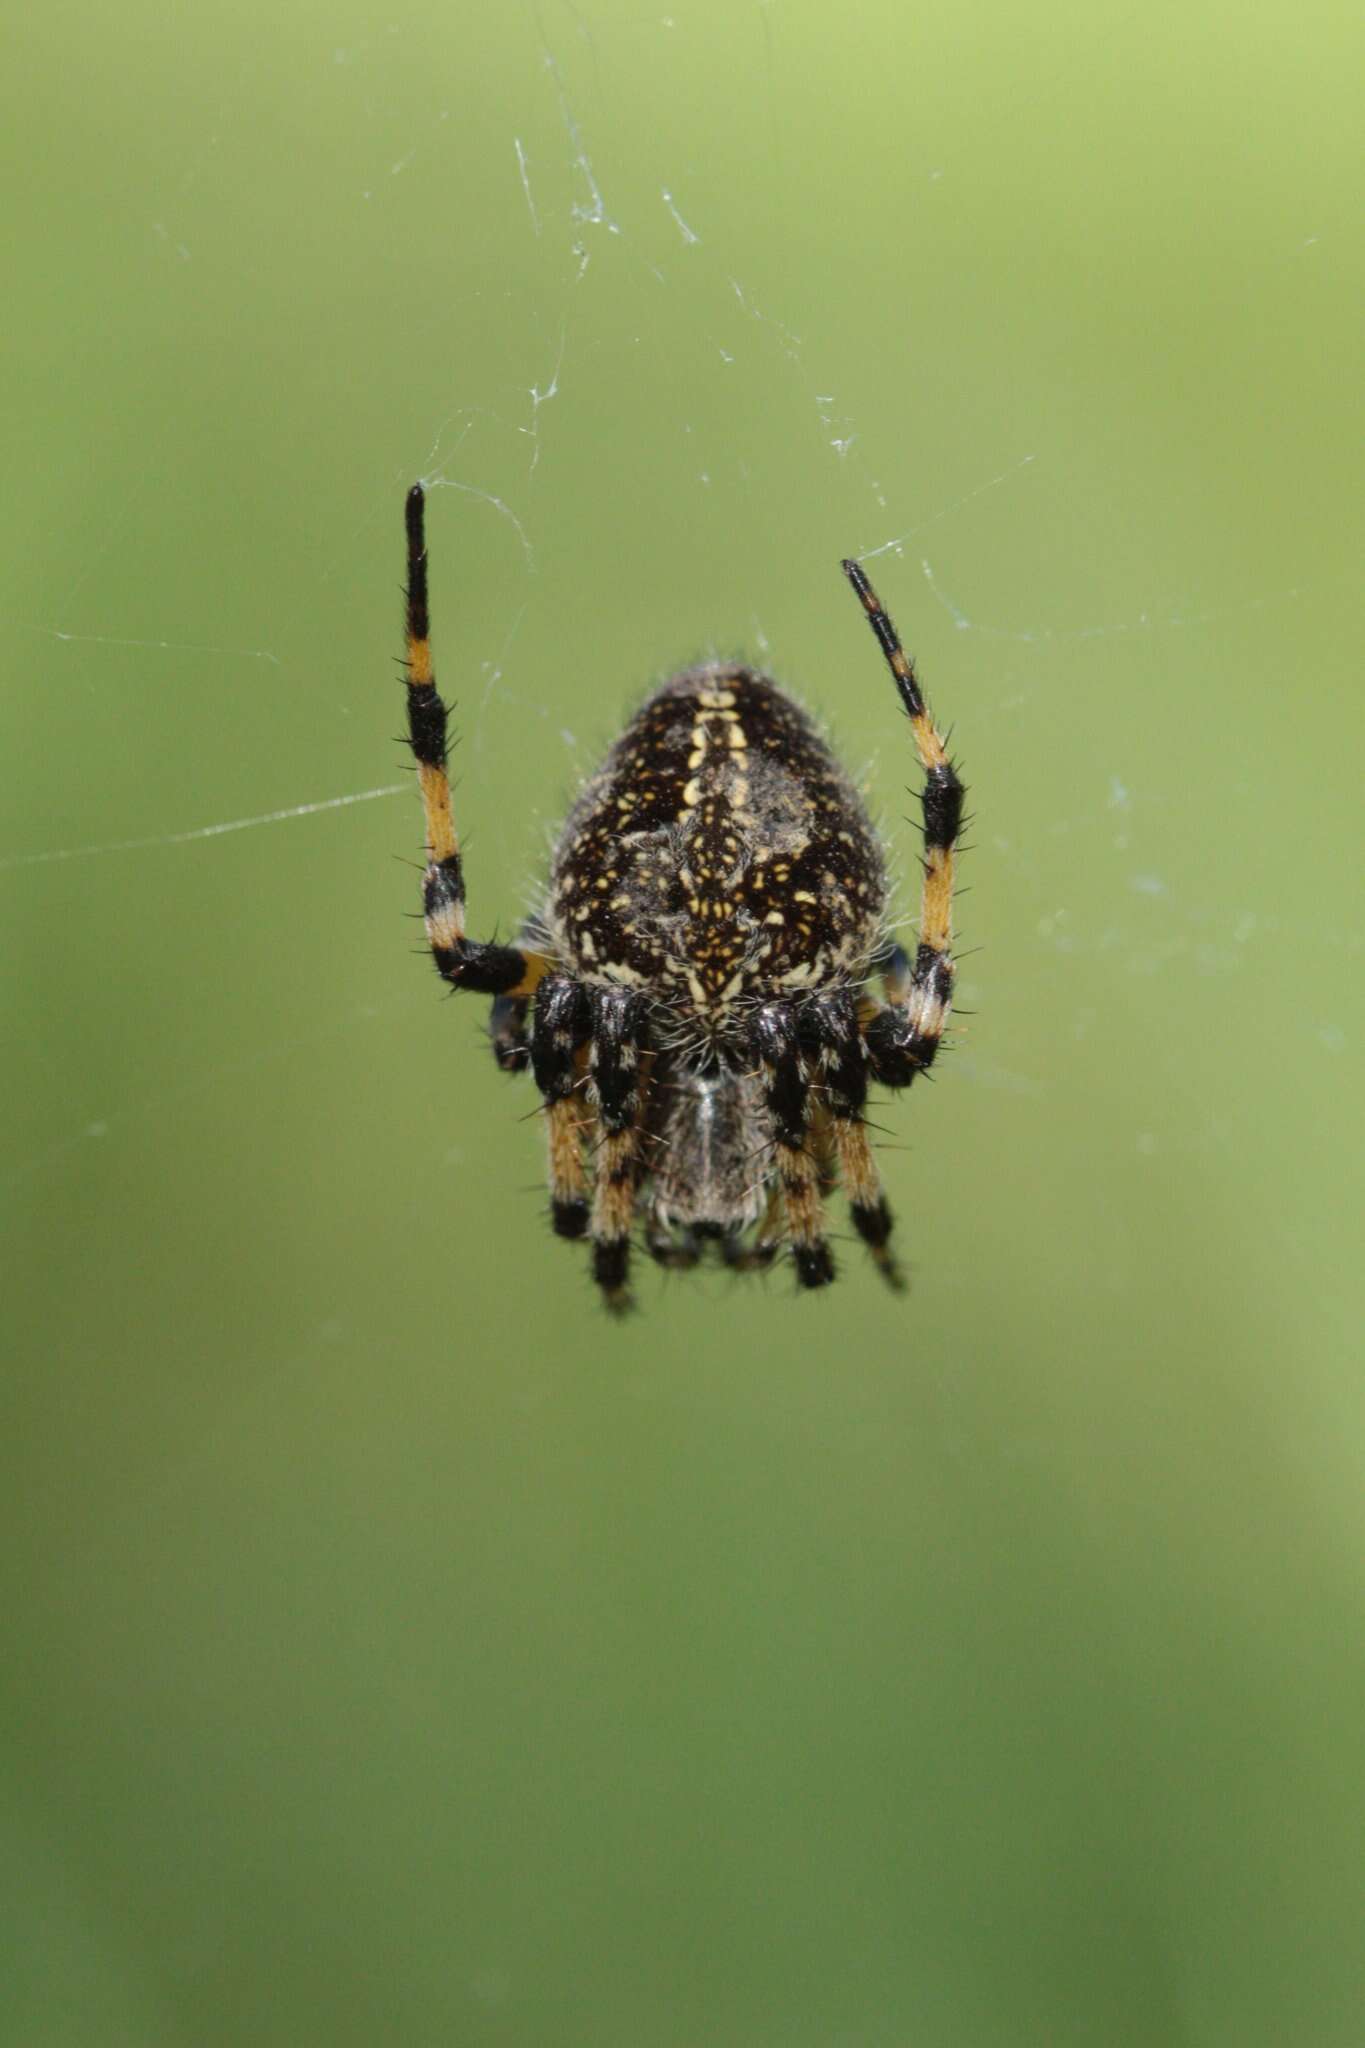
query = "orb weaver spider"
{"x": 693, "y": 995}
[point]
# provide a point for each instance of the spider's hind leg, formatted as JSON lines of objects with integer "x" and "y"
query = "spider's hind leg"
{"x": 903, "y": 1036}
{"x": 467, "y": 963}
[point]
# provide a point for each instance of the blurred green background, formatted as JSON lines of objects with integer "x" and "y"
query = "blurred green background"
{"x": 396, "y": 1651}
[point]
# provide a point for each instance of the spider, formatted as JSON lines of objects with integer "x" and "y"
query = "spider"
{"x": 692, "y": 997}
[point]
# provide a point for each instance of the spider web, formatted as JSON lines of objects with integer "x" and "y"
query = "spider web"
{"x": 647, "y": 290}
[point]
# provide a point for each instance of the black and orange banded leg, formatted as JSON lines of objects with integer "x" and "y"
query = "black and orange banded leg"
{"x": 832, "y": 1028}
{"x": 559, "y": 1032}
{"x": 615, "y": 1081}
{"x": 787, "y": 1096}
{"x": 461, "y": 961}
{"x": 903, "y": 1036}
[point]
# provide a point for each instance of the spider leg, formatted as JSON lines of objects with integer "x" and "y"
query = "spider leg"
{"x": 463, "y": 962}
{"x": 559, "y": 1030}
{"x": 831, "y": 1021}
{"x": 903, "y": 1036}
{"x": 618, "y": 1029}
{"x": 823, "y": 1147}
{"x": 787, "y": 1096}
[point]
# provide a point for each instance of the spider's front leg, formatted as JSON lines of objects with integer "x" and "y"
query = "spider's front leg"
{"x": 559, "y": 1032}
{"x": 461, "y": 961}
{"x": 787, "y": 1095}
{"x": 618, "y": 1035}
{"x": 830, "y": 1025}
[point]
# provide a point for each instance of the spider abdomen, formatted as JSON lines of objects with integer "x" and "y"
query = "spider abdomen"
{"x": 720, "y": 855}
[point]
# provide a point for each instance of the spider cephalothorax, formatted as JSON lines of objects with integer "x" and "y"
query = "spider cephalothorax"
{"x": 692, "y": 998}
